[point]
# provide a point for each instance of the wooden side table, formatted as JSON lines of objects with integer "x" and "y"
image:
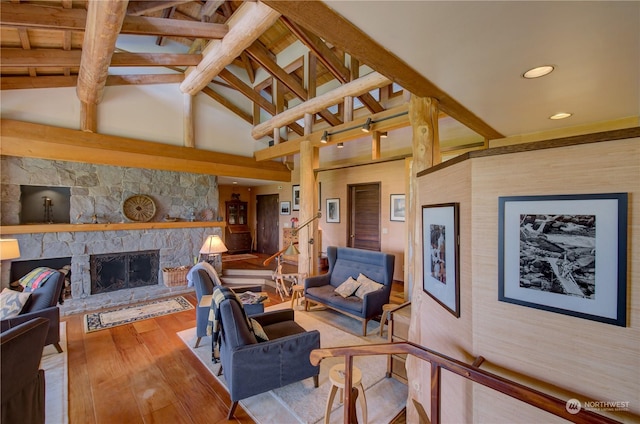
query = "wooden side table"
{"x": 336, "y": 376}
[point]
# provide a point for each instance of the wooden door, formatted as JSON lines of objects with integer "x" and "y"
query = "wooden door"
{"x": 363, "y": 210}
{"x": 267, "y": 229}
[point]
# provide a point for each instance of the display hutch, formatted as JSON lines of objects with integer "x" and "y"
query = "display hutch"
{"x": 237, "y": 235}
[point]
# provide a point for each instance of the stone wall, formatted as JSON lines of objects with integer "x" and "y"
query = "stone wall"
{"x": 100, "y": 189}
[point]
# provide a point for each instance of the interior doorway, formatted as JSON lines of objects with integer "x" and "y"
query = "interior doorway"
{"x": 267, "y": 228}
{"x": 363, "y": 211}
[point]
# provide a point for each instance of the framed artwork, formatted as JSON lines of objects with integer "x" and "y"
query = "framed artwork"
{"x": 397, "y": 207}
{"x": 285, "y": 208}
{"x": 565, "y": 254}
{"x": 295, "y": 195}
{"x": 440, "y": 238}
{"x": 333, "y": 210}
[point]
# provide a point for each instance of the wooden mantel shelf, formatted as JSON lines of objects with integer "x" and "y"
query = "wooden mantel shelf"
{"x": 59, "y": 228}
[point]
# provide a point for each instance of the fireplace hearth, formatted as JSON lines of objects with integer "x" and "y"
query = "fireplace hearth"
{"x": 117, "y": 271}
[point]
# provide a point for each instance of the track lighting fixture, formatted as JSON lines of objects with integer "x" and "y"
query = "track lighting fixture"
{"x": 325, "y": 137}
{"x": 367, "y": 126}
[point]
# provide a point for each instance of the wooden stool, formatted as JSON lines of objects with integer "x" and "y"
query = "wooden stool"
{"x": 385, "y": 315}
{"x": 297, "y": 290}
{"x": 336, "y": 376}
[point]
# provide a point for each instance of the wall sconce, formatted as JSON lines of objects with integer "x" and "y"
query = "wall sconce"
{"x": 340, "y": 145}
{"x": 384, "y": 135}
{"x": 214, "y": 247}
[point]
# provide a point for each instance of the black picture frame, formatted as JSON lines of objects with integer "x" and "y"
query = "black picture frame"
{"x": 397, "y": 207}
{"x": 440, "y": 255}
{"x": 285, "y": 208}
{"x": 333, "y": 210}
{"x": 295, "y": 197}
{"x": 565, "y": 254}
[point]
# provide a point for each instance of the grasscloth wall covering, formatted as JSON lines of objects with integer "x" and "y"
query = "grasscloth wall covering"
{"x": 559, "y": 354}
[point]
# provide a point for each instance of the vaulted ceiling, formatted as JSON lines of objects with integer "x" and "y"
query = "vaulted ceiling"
{"x": 468, "y": 55}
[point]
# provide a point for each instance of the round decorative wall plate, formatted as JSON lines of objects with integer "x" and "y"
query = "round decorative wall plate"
{"x": 139, "y": 208}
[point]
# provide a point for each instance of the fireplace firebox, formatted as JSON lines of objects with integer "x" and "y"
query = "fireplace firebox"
{"x": 117, "y": 271}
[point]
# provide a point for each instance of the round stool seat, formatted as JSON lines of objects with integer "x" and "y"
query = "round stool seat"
{"x": 337, "y": 376}
{"x": 297, "y": 290}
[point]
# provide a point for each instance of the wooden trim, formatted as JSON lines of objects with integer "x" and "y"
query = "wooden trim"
{"x": 364, "y": 163}
{"x": 538, "y": 145}
{"x": 48, "y": 58}
{"x": 126, "y": 226}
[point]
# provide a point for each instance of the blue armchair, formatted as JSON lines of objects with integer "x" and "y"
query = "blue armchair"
{"x": 251, "y": 367}
{"x": 43, "y": 303}
{"x": 204, "y": 286}
{"x": 345, "y": 262}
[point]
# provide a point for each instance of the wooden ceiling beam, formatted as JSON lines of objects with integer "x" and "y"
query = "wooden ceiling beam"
{"x": 53, "y": 81}
{"x": 31, "y": 16}
{"x": 317, "y": 17}
{"x": 248, "y": 23}
{"x": 26, "y": 139}
{"x": 354, "y": 88}
{"x": 47, "y": 58}
{"x": 137, "y": 8}
{"x": 104, "y": 20}
{"x": 226, "y": 103}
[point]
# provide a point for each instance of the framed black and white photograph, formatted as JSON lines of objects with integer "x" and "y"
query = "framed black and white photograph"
{"x": 565, "y": 254}
{"x": 397, "y": 207}
{"x": 285, "y": 208}
{"x": 295, "y": 195}
{"x": 333, "y": 210}
{"x": 440, "y": 238}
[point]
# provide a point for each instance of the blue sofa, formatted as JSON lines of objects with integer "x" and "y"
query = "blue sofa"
{"x": 345, "y": 262}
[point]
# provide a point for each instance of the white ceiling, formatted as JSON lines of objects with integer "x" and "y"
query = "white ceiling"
{"x": 476, "y": 51}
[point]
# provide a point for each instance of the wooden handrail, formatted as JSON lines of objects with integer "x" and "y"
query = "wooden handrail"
{"x": 438, "y": 362}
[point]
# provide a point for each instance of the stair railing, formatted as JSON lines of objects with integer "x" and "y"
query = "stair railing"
{"x": 438, "y": 362}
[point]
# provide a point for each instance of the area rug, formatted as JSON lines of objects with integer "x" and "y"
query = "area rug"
{"x": 239, "y": 257}
{"x": 55, "y": 366}
{"x": 300, "y": 402}
{"x": 107, "y": 319}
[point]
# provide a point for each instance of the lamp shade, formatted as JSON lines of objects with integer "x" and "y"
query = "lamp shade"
{"x": 213, "y": 245}
{"x": 9, "y": 249}
{"x": 292, "y": 250}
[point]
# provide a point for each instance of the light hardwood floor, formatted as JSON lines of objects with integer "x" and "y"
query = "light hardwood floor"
{"x": 143, "y": 373}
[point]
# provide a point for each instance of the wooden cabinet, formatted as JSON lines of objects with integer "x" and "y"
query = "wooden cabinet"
{"x": 398, "y": 331}
{"x": 237, "y": 235}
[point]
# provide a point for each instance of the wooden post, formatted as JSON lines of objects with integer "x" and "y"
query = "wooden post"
{"x": 309, "y": 158}
{"x": 188, "y": 121}
{"x": 89, "y": 117}
{"x": 375, "y": 145}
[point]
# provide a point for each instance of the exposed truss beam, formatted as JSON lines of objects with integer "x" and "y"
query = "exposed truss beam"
{"x": 137, "y": 8}
{"x": 317, "y": 17}
{"x": 248, "y": 23}
{"x": 26, "y": 139}
{"x": 354, "y": 88}
{"x": 30, "y": 16}
{"x": 226, "y": 103}
{"x": 104, "y": 20}
{"x": 46, "y": 58}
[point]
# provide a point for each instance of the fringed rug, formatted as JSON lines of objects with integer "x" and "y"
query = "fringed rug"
{"x": 300, "y": 402}
{"x": 107, "y": 319}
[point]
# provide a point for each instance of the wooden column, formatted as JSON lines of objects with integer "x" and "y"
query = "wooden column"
{"x": 423, "y": 116}
{"x": 375, "y": 145}
{"x": 89, "y": 117}
{"x": 188, "y": 121}
{"x": 309, "y": 159}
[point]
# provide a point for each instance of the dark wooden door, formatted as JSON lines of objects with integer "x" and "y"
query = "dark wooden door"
{"x": 267, "y": 210}
{"x": 363, "y": 209}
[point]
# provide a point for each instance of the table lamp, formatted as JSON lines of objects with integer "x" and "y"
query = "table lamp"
{"x": 9, "y": 249}
{"x": 214, "y": 247}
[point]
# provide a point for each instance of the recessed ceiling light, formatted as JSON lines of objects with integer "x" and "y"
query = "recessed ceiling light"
{"x": 538, "y": 72}
{"x": 561, "y": 115}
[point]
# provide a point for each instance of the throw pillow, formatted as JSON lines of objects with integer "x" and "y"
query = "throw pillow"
{"x": 36, "y": 278}
{"x": 347, "y": 288}
{"x": 367, "y": 285}
{"x": 12, "y": 302}
{"x": 258, "y": 331}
